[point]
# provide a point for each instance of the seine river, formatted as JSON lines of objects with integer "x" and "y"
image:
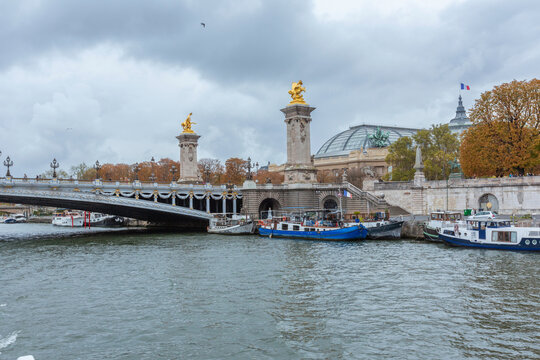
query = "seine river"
{"x": 151, "y": 295}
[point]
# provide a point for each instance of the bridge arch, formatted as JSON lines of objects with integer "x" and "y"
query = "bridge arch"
{"x": 267, "y": 204}
{"x": 488, "y": 202}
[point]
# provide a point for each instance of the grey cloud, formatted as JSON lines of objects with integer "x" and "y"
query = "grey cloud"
{"x": 375, "y": 70}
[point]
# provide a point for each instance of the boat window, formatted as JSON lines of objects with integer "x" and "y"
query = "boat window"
{"x": 534, "y": 233}
{"x": 296, "y": 227}
{"x": 284, "y": 226}
{"x": 504, "y": 236}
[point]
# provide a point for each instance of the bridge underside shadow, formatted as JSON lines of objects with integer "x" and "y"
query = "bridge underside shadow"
{"x": 189, "y": 220}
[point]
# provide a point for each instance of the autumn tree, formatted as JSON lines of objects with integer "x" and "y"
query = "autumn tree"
{"x": 80, "y": 171}
{"x": 505, "y": 131}
{"x": 211, "y": 170}
{"x": 235, "y": 171}
{"x": 265, "y": 176}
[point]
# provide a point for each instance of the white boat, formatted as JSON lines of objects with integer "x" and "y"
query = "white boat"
{"x": 231, "y": 224}
{"x": 438, "y": 220}
{"x": 77, "y": 219}
{"x": 14, "y": 219}
{"x": 492, "y": 234}
{"x": 69, "y": 219}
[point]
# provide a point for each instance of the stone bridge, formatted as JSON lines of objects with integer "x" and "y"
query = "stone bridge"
{"x": 183, "y": 205}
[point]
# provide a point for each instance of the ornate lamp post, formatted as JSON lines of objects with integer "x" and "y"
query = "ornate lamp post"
{"x": 152, "y": 177}
{"x": 173, "y": 171}
{"x": 54, "y": 165}
{"x": 97, "y": 166}
{"x": 8, "y": 163}
{"x": 136, "y": 171}
{"x": 251, "y": 165}
{"x": 206, "y": 171}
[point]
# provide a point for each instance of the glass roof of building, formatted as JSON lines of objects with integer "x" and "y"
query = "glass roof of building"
{"x": 358, "y": 138}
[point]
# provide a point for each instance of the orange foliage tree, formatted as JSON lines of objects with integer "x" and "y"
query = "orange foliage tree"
{"x": 265, "y": 176}
{"x": 506, "y": 128}
{"x": 235, "y": 171}
{"x": 161, "y": 171}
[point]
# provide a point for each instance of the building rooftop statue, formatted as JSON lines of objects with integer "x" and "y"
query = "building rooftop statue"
{"x": 362, "y": 137}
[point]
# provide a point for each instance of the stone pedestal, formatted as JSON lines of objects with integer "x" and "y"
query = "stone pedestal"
{"x": 189, "y": 171}
{"x": 299, "y": 166}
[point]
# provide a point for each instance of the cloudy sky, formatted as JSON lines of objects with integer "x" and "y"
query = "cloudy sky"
{"x": 113, "y": 80}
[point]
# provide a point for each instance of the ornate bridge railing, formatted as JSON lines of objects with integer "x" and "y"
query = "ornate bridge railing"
{"x": 173, "y": 194}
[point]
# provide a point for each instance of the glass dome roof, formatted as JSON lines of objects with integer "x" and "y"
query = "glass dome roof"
{"x": 358, "y": 138}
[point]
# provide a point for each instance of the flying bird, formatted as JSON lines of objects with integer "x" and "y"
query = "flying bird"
{"x": 203, "y": 25}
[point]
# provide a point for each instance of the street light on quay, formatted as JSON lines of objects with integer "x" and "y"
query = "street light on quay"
{"x": 251, "y": 165}
{"x": 206, "y": 170}
{"x": 173, "y": 171}
{"x": 54, "y": 165}
{"x": 136, "y": 171}
{"x": 98, "y": 167}
{"x": 8, "y": 163}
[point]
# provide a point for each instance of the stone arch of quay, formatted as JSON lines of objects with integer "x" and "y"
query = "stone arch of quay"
{"x": 266, "y": 204}
{"x": 488, "y": 198}
{"x": 330, "y": 202}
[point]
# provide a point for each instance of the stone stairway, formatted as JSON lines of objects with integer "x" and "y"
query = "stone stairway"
{"x": 375, "y": 203}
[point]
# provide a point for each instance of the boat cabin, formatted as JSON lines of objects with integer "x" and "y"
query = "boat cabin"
{"x": 446, "y": 216}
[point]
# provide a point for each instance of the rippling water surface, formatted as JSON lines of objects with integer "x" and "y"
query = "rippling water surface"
{"x": 198, "y": 296}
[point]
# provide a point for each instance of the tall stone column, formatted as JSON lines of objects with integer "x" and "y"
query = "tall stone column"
{"x": 299, "y": 167}
{"x": 189, "y": 171}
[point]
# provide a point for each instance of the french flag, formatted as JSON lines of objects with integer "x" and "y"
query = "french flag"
{"x": 347, "y": 194}
{"x": 465, "y": 87}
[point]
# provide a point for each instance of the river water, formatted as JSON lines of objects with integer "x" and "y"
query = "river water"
{"x": 152, "y": 295}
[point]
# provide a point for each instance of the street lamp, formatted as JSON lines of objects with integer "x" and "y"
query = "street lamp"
{"x": 173, "y": 171}
{"x": 98, "y": 167}
{"x": 54, "y": 165}
{"x": 206, "y": 173}
{"x": 152, "y": 177}
{"x": 136, "y": 171}
{"x": 8, "y": 163}
{"x": 250, "y": 165}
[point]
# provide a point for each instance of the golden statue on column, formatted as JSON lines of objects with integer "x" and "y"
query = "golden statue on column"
{"x": 296, "y": 93}
{"x": 186, "y": 125}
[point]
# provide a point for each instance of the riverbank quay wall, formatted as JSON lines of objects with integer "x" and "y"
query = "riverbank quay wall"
{"x": 507, "y": 195}
{"x": 258, "y": 199}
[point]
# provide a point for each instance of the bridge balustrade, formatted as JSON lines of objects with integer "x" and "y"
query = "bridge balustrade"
{"x": 193, "y": 196}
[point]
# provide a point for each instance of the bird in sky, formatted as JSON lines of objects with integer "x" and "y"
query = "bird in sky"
{"x": 203, "y": 25}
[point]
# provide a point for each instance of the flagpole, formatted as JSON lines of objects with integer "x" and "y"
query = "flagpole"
{"x": 340, "y": 207}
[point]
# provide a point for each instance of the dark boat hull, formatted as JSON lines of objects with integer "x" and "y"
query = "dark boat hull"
{"x": 431, "y": 234}
{"x": 110, "y": 221}
{"x": 388, "y": 231}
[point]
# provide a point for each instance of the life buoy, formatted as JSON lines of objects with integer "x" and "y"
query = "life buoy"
{"x": 261, "y": 223}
